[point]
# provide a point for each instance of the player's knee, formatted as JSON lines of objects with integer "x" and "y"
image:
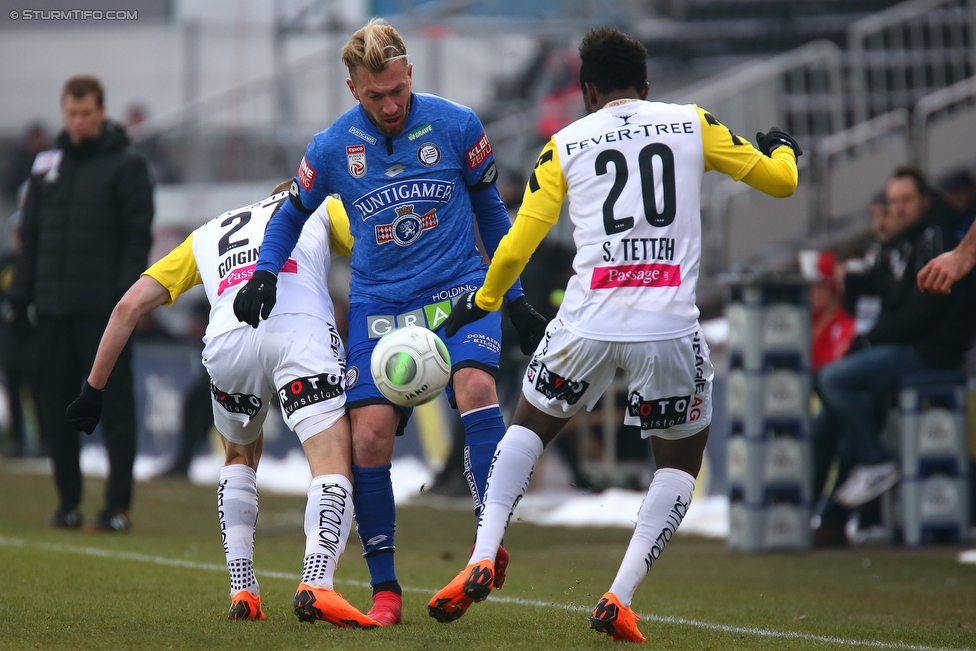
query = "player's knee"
{"x": 474, "y": 388}
{"x": 372, "y": 445}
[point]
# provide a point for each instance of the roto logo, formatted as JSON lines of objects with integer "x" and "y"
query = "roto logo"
{"x": 636, "y": 275}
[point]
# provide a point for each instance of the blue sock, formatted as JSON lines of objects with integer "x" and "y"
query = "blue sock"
{"x": 483, "y": 429}
{"x": 372, "y": 495}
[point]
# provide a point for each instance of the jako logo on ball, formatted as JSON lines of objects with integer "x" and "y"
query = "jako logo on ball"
{"x": 410, "y": 366}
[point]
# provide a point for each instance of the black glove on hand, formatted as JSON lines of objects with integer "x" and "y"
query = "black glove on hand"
{"x": 776, "y": 137}
{"x": 464, "y": 312}
{"x": 84, "y": 413}
{"x": 256, "y": 298}
{"x": 531, "y": 325}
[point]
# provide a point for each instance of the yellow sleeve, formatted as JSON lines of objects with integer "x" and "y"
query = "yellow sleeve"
{"x": 733, "y": 155}
{"x": 546, "y": 189}
{"x": 776, "y": 175}
{"x": 540, "y": 208}
{"x": 724, "y": 151}
{"x": 177, "y": 270}
{"x": 340, "y": 238}
{"x": 510, "y": 258}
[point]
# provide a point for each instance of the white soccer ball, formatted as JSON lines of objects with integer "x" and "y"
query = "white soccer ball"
{"x": 410, "y": 366}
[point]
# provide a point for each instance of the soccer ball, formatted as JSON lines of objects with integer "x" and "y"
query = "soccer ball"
{"x": 410, "y": 366}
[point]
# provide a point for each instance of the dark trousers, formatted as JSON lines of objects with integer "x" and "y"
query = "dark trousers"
{"x": 197, "y": 421}
{"x": 66, "y": 349}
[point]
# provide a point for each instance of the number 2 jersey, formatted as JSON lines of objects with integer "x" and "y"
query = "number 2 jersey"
{"x": 632, "y": 172}
{"x": 222, "y": 255}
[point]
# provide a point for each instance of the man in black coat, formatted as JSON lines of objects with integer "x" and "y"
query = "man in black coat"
{"x": 86, "y": 238}
{"x": 913, "y": 332}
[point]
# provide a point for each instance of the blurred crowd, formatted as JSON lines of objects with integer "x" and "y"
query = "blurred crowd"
{"x": 872, "y": 326}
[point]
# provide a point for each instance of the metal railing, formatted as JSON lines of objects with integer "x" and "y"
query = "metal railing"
{"x": 899, "y": 55}
{"x": 937, "y": 107}
{"x": 800, "y": 90}
{"x": 834, "y": 158}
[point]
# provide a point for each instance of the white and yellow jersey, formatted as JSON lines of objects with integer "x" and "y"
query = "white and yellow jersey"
{"x": 632, "y": 172}
{"x": 222, "y": 255}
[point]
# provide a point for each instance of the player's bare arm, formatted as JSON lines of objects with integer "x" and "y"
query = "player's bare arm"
{"x": 942, "y": 272}
{"x": 144, "y": 296}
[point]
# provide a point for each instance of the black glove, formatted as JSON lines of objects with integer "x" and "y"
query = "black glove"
{"x": 84, "y": 413}
{"x": 465, "y": 311}
{"x": 17, "y": 315}
{"x": 776, "y": 137}
{"x": 531, "y": 325}
{"x": 256, "y": 298}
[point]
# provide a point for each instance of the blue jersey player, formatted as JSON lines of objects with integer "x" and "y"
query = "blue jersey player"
{"x": 411, "y": 170}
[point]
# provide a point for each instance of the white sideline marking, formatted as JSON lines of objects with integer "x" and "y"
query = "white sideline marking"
{"x": 288, "y": 576}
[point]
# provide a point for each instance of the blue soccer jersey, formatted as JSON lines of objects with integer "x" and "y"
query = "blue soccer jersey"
{"x": 410, "y": 198}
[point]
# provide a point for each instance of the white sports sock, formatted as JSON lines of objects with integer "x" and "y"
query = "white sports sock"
{"x": 328, "y": 519}
{"x": 237, "y": 507}
{"x": 508, "y": 479}
{"x": 663, "y": 508}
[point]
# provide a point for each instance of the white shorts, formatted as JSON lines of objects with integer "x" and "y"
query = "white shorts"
{"x": 669, "y": 383}
{"x": 296, "y": 359}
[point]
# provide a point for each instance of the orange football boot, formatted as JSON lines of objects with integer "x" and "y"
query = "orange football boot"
{"x": 616, "y": 620}
{"x": 312, "y": 604}
{"x": 245, "y": 606}
{"x": 473, "y": 583}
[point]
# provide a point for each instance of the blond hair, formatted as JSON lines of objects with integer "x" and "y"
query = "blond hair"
{"x": 374, "y": 47}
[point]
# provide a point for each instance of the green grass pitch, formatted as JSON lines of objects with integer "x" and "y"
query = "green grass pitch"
{"x": 164, "y": 586}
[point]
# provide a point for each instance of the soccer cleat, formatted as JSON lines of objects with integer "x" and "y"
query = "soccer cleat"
{"x": 387, "y": 608}
{"x": 70, "y": 519}
{"x": 110, "y": 522}
{"x": 312, "y": 604}
{"x": 616, "y": 620}
{"x": 245, "y": 606}
{"x": 472, "y": 584}
{"x": 501, "y": 564}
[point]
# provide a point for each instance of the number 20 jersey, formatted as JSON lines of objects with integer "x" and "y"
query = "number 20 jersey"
{"x": 633, "y": 175}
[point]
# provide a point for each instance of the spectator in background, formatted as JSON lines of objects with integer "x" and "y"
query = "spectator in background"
{"x": 959, "y": 189}
{"x": 149, "y": 145}
{"x": 35, "y": 141}
{"x": 16, "y": 348}
{"x": 832, "y": 328}
{"x": 86, "y": 238}
{"x": 913, "y": 332}
{"x": 867, "y": 273}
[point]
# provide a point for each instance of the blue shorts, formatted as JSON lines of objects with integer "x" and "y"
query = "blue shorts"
{"x": 476, "y": 345}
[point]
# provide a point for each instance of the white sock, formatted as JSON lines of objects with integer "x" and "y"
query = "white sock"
{"x": 237, "y": 507}
{"x": 508, "y": 479}
{"x": 663, "y": 508}
{"x": 328, "y": 519}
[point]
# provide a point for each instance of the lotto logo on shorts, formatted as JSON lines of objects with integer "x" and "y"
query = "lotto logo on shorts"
{"x": 305, "y": 391}
{"x": 555, "y": 387}
{"x": 660, "y": 413}
{"x": 237, "y": 403}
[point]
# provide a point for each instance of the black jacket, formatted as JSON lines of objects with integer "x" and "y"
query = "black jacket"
{"x": 86, "y": 229}
{"x": 939, "y": 328}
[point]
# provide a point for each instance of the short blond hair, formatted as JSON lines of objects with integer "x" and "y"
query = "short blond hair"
{"x": 374, "y": 47}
